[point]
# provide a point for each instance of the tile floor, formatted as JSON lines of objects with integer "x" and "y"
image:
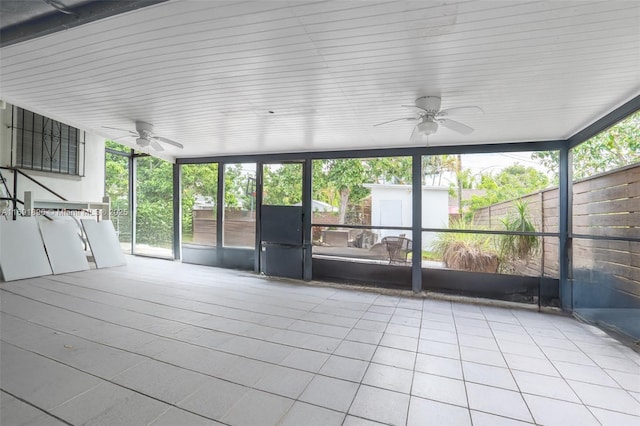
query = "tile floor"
{"x": 163, "y": 343}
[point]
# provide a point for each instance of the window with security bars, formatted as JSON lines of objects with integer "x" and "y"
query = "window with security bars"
{"x": 44, "y": 144}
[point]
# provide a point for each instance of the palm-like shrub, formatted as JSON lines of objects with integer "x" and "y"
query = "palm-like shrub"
{"x": 465, "y": 251}
{"x": 518, "y": 247}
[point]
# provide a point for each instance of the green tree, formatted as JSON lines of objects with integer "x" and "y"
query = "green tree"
{"x": 154, "y": 197}
{"x": 395, "y": 170}
{"x": 340, "y": 182}
{"x": 197, "y": 180}
{"x": 347, "y": 175}
{"x": 117, "y": 189}
{"x": 616, "y": 147}
{"x": 511, "y": 183}
{"x": 239, "y": 187}
{"x": 282, "y": 184}
{"x": 435, "y": 166}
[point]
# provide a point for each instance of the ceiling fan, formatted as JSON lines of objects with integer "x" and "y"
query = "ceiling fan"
{"x": 430, "y": 116}
{"x": 145, "y": 137}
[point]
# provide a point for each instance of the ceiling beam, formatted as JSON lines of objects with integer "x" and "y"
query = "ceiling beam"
{"x": 68, "y": 17}
{"x": 381, "y": 152}
{"x": 605, "y": 122}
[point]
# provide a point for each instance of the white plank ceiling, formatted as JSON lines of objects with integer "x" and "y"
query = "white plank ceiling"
{"x": 208, "y": 73}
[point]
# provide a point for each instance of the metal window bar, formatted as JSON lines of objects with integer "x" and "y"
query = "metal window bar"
{"x": 58, "y": 142}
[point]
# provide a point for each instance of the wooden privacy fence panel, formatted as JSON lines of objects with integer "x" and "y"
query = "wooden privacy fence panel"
{"x": 543, "y": 210}
{"x": 239, "y": 228}
{"x": 605, "y": 205}
{"x": 608, "y": 204}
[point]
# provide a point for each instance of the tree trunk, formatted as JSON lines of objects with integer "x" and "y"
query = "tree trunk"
{"x": 344, "y": 200}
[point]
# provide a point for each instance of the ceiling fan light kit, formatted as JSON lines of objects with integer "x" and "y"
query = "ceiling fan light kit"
{"x": 427, "y": 127}
{"x": 430, "y": 117}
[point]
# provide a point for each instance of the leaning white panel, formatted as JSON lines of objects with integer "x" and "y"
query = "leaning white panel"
{"x": 22, "y": 252}
{"x": 104, "y": 243}
{"x": 64, "y": 245}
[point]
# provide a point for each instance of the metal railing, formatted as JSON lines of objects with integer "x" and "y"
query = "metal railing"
{"x": 13, "y": 196}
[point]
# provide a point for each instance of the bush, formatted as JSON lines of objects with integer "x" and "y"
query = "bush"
{"x": 466, "y": 251}
{"x": 518, "y": 247}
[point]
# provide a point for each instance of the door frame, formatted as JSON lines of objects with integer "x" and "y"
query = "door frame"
{"x": 306, "y": 213}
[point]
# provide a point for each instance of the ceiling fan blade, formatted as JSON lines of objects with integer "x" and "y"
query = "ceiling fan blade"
{"x": 414, "y": 135}
{"x": 460, "y": 110}
{"x": 456, "y": 126}
{"x": 414, "y": 107}
{"x": 125, "y": 136}
{"x": 169, "y": 141}
{"x": 397, "y": 119}
{"x": 155, "y": 145}
{"x": 122, "y": 130}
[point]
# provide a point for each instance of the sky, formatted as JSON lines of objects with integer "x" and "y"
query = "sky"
{"x": 495, "y": 162}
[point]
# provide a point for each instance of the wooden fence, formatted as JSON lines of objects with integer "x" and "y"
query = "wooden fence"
{"x": 239, "y": 228}
{"x": 605, "y": 205}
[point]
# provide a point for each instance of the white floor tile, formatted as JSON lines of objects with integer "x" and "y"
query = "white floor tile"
{"x": 380, "y": 405}
{"x": 245, "y": 412}
{"x": 440, "y": 366}
{"x": 438, "y": 388}
{"x": 550, "y": 387}
{"x": 423, "y": 412}
{"x": 584, "y": 373}
{"x": 329, "y": 392}
{"x": 310, "y": 415}
{"x": 344, "y": 368}
{"x": 284, "y": 381}
{"x": 214, "y": 399}
{"x": 359, "y": 421}
{"x": 110, "y": 404}
{"x": 532, "y": 365}
{"x": 394, "y": 357}
{"x": 447, "y": 350}
{"x": 482, "y": 356}
{"x": 605, "y": 397}
{"x": 497, "y": 401}
{"x": 488, "y": 375}
{"x": 349, "y": 349}
{"x": 387, "y": 377}
{"x": 485, "y": 419}
{"x": 549, "y": 411}
{"x": 612, "y": 418}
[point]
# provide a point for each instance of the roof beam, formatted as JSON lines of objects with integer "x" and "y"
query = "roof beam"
{"x": 605, "y": 122}
{"x": 68, "y": 17}
{"x": 380, "y": 152}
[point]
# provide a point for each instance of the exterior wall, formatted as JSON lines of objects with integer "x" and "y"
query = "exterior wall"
{"x": 435, "y": 208}
{"x": 74, "y": 188}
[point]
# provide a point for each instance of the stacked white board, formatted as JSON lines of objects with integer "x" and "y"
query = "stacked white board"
{"x": 22, "y": 253}
{"x": 64, "y": 245}
{"x": 104, "y": 243}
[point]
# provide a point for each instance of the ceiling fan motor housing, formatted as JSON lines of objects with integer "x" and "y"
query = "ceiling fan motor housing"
{"x": 143, "y": 128}
{"x": 431, "y": 104}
